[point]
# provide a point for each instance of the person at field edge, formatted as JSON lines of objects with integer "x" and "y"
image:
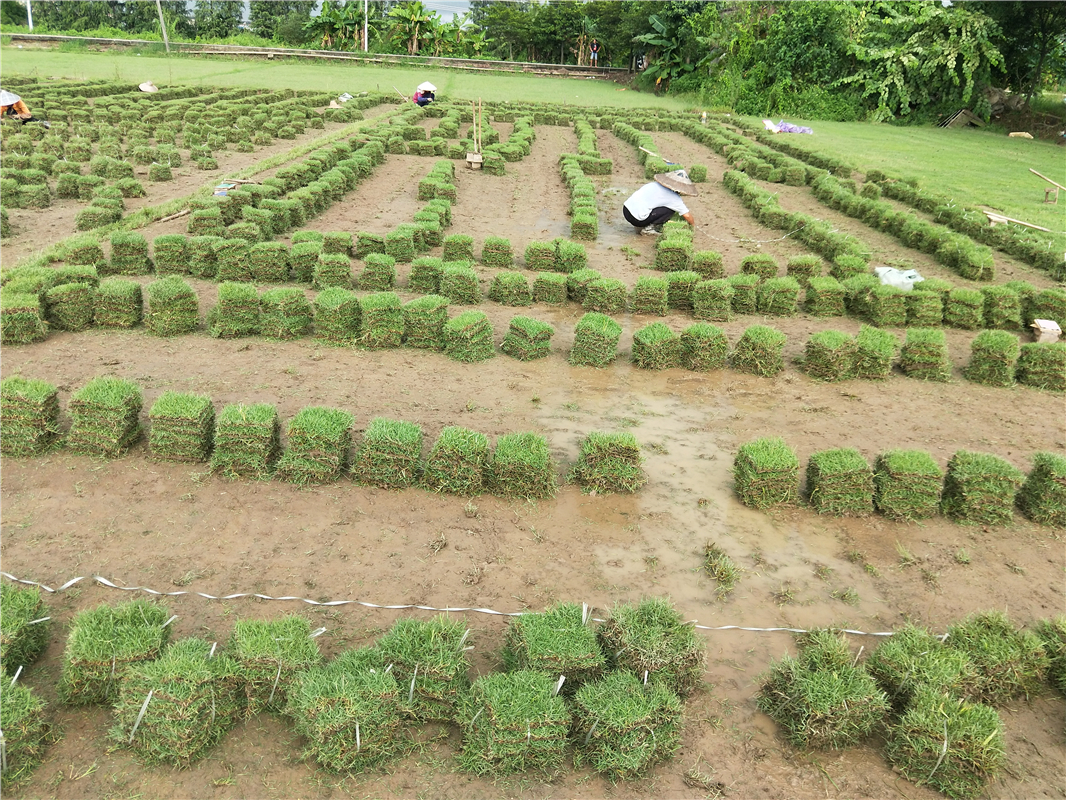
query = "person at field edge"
{"x": 425, "y": 94}
{"x": 594, "y": 53}
{"x": 655, "y": 203}
{"x": 11, "y": 105}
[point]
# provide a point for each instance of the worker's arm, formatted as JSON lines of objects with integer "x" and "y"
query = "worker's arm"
{"x": 689, "y": 219}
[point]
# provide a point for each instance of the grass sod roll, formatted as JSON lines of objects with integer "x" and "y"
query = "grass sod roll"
{"x": 269, "y": 262}
{"x": 247, "y": 441}
{"x": 649, "y": 296}
{"x": 993, "y": 358}
{"x": 424, "y": 319}
{"x": 104, "y": 417}
{"x": 522, "y": 466}
{"x": 778, "y": 297}
{"x": 429, "y": 664}
{"x": 319, "y": 441}
{"x": 458, "y": 462}
{"x": 183, "y": 427}
{"x": 541, "y": 257}
{"x": 1042, "y": 497}
{"x": 510, "y": 289}
{"x": 349, "y": 711}
{"x": 840, "y": 482}
{"x": 270, "y": 654}
{"x": 332, "y": 269}
{"x": 29, "y": 416}
{"x": 609, "y": 463}
{"x": 577, "y": 283}
{"x": 925, "y": 355}
{"x": 380, "y": 320}
{"x": 656, "y": 346}
{"x": 458, "y": 247}
{"x": 103, "y": 643}
{"x": 980, "y": 488}
{"x": 595, "y": 341}
{"x": 513, "y": 722}
{"x": 390, "y": 455}
{"x": 973, "y": 756}
{"x": 173, "y": 307}
{"x": 759, "y": 351}
{"x": 237, "y": 312}
{"x": 1042, "y": 365}
{"x": 379, "y": 273}
{"x": 21, "y": 319}
{"x": 424, "y": 276}
{"x": 169, "y": 254}
{"x": 606, "y": 295}
{"x": 303, "y": 260}
{"x": 650, "y": 640}
{"x": 703, "y": 348}
{"x": 913, "y": 659}
{"x": 550, "y": 288}
{"x": 766, "y": 473}
{"x": 875, "y": 350}
{"x": 908, "y": 485}
{"x": 23, "y": 627}
{"x": 829, "y": 356}
{"x": 496, "y": 252}
{"x": 27, "y": 732}
{"x": 557, "y": 641}
{"x": 712, "y": 300}
{"x": 468, "y": 337}
{"x": 825, "y": 297}
{"x": 197, "y": 696}
{"x": 284, "y": 313}
{"x": 459, "y": 283}
{"x": 621, "y": 727}
{"x": 1009, "y": 662}
{"x": 925, "y": 309}
{"x": 527, "y": 339}
{"x": 745, "y": 292}
{"x": 1052, "y": 633}
{"x": 336, "y": 316}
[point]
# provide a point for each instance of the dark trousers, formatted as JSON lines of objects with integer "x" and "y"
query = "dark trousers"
{"x": 657, "y": 217}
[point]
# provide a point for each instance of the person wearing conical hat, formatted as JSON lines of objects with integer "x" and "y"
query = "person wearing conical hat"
{"x": 655, "y": 203}
{"x": 425, "y": 93}
{"x": 14, "y": 106}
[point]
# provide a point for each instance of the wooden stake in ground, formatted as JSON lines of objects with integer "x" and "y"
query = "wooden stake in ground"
{"x": 1047, "y": 192}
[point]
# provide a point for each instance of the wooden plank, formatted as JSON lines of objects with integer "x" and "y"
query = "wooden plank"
{"x": 995, "y": 219}
{"x": 1045, "y": 177}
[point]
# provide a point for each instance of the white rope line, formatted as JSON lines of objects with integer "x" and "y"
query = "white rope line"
{"x": 397, "y": 607}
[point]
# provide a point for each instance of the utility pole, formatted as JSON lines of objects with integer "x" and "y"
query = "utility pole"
{"x": 29, "y": 14}
{"x": 162, "y": 25}
{"x": 366, "y": 26}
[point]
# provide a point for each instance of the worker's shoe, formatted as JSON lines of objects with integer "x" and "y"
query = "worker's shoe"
{"x": 651, "y": 230}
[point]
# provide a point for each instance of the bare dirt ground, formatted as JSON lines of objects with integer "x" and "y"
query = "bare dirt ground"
{"x": 141, "y": 522}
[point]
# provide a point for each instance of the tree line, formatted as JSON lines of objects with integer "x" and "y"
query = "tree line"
{"x": 869, "y": 59}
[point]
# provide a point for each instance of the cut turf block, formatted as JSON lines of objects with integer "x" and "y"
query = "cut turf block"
{"x": 825, "y": 297}
{"x": 778, "y": 297}
{"x": 425, "y": 275}
{"x": 1003, "y": 308}
{"x": 1052, "y": 633}
{"x": 317, "y": 448}
{"x": 270, "y": 654}
{"x": 925, "y": 309}
{"x": 875, "y": 350}
{"x": 577, "y": 283}
{"x": 202, "y": 260}
{"x": 400, "y": 245}
{"x": 379, "y": 274}
{"x": 840, "y": 482}
{"x": 336, "y": 316}
{"x": 496, "y": 252}
{"x": 1010, "y": 662}
{"x": 333, "y": 270}
{"x": 886, "y": 306}
{"x": 993, "y": 358}
{"x": 367, "y": 243}
{"x": 595, "y": 340}
{"x": 980, "y": 488}
{"x": 1047, "y": 304}
{"x": 129, "y": 254}
{"x": 655, "y": 346}
{"x": 803, "y": 268}
{"x": 703, "y": 347}
{"x": 680, "y": 286}
{"x": 1042, "y": 365}
{"x": 609, "y": 463}
{"x": 183, "y": 427}
{"x": 606, "y": 295}
{"x": 673, "y": 253}
{"x": 390, "y": 455}
{"x": 29, "y": 416}
{"x": 761, "y": 264}
{"x": 965, "y": 308}
{"x": 269, "y": 262}
{"x": 104, "y": 416}
{"x": 70, "y": 306}
{"x": 430, "y": 665}
{"x": 829, "y": 356}
{"x": 284, "y": 313}
{"x": 649, "y": 296}
{"x": 713, "y": 300}
{"x": 23, "y": 627}
{"x": 759, "y": 351}
{"x": 913, "y": 659}
{"x": 27, "y": 732}
{"x": 1042, "y": 497}
{"x": 247, "y": 441}
{"x": 549, "y": 287}
{"x": 522, "y": 467}
{"x": 233, "y": 260}
{"x": 745, "y": 291}
{"x": 169, "y": 254}
{"x": 510, "y": 289}
{"x": 21, "y": 318}
{"x": 303, "y": 260}
{"x": 766, "y": 473}
{"x": 424, "y": 319}
{"x": 458, "y": 247}
{"x": 119, "y": 304}
{"x": 173, "y": 307}
{"x": 708, "y": 264}
{"x": 925, "y": 355}
{"x": 570, "y": 256}
{"x": 380, "y": 320}
{"x": 336, "y": 242}
{"x": 458, "y": 462}
{"x": 907, "y": 485}
{"x": 237, "y": 312}
{"x": 459, "y": 283}
{"x": 468, "y": 337}
{"x": 557, "y": 641}
{"x": 541, "y": 257}
{"x": 527, "y": 339}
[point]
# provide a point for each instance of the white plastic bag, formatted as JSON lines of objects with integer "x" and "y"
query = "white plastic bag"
{"x": 900, "y": 278}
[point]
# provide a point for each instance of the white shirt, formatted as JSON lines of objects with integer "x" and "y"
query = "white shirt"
{"x": 652, "y": 195}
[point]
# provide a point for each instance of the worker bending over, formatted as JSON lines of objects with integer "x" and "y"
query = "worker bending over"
{"x": 655, "y": 203}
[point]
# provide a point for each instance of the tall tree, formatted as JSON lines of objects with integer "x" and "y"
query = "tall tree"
{"x": 142, "y": 16}
{"x": 265, "y": 15}
{"x": 412, "y": 22}
{"x": 66, "y": 15}
{"x": 217, "y": 19}
{"x": 1033, "y": 44}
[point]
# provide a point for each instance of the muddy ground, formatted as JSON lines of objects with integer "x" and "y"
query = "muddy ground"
{"x": 140, "y": 522}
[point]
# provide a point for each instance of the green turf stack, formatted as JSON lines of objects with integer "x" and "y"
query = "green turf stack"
{"x": 169, "y": 251}
{"x": 183, "y": 427}
{"x": 367, "y": 243}
{"x": 913, "y": 659}
{"x": 980, "y": 488}
{"x": 196, "y": 698}
{"x": 425, "y": 275}
{"x": 1010, "y": 662}
{"x": 577, "y": 283}
{"x": 23, "y": 627}
{"x": 20, "y": 318}
{"x": 708, "y": 264}
{"x": 270, "y": 654}
{"x": 379, "y": 274}
{"x": 173, "y": 307}
{"x": 118, "y": 304}
{"x": 510, "y": 289}
{"x": 390, "y": 455}
{"x": 317, "y": 449}
{"x": 336, "y": 316}
{"x": 651, "y": 641}
{"x": 513, "y": 722}
{"x": 907, "y": 485}
{"x": 1042, "y": 497}
{"x": 804, "y": 268}
{"x": 29, "y": 416}
{"x": 605, "y": 295}
{"x": 104, "y": 643}
{"x": 840, "y": 482}
{"x": 993, "y": 358}
{"x": 713, "y": 300}
{"x": 766, "y": 473}
{"x": 522, "y": 467}
{"x": 655, "y": 346}
{"x": 350, "y": 712}
{"x": 925, "y": 355}
{"x": 129, "y": 254}
{"x": 104, "y": 417}
{"x": 570, "y": 256}
{"x": 584, "y": 225}
{"x": 915, "y": 744}
{"x": 1047, "y": 304}
{"x": 429, "y": 664}
{"x": 925, "y": 309}
{"x": 761, "y": 264}
{"x": 595, "y": 340}
{"x": 527, "y": 339}
{"x": 468, "y": 337}
{"x": 424, "y": 319}
{"x": 1052, "y": 633}
{"x": 458, "y": 462}
{"x": 622, "y": 727}
{"x": 965, "y": 308}
{"x": 680, "y": 287}
{"x": 778, "y": 297}
{"x": 285, "y": 313}
{"x": 399, "y": 246}
{"x": 759, "y": 351}
{"x": 26, "y": 732}
{"x": 875, "y": 350}
{"x": 380, "y": 320}
{"x": 886, "y": 306}
{"x": 247, "y": 441}
{"x": 609, "y": 463}
{"x": 555, "y": 642}
{"x": 268, "y": 262}
{"x": 745, "y": 292}
{"x": 496, "y": 252}
{"x": 303, "y": 261}
{"x": 703, "y": 347}
{"x": 332, "y": 270}
{"x": 829, "y": 356}
{"x": 1042, "y": 365}
{"x": 70, "y": 306}
{"x": 549, "y": 287}
{"x": 821, "y": 698}
{"x": 857, "y": 294}
{"x": 649, "y": 296}
{"x": 237, "y": 312}
{"x": 458, "y": 247}
{"x": 337, "y": 242}
{"x": 541, "y": 257}
{"x": 459, "y": 283}
{"x": 202, "y": 260}
{"x": 1003, "y": 308}
{"x": 673, "y": 253}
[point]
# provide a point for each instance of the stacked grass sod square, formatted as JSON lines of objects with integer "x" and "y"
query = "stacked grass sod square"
{"x": 542, "y": 257}
{"x": 103, "y": 643}
{"x": 913, "y": 659}
{"x": 993, "y": 358}
{"x": 183, "y": 427}
{"x": 424, "y": 319}
{"x": 27, "y": 732}
{"x": 713, "y": 300}
{"x": 170, "y": 254}
{"x": 761, "y": 264}
{"x": 745, "y": 291}
{"x": 203, "y": 263}
{"x": 840, "y": 482}
{"x": 606, "y": 295}
{"x": 233, "y": 260}
{"x": 886, "y": 306}
{"x": 980, "y": 488}
{"x": 570, "y": 256}
{"x": 1052, "y": 633}
{"x": 510, "y": 289}
{"x": 468, "y": 337}
{"x": 829, "y": 356}
{"x": 595, "y": 340}
{"x": 380, "y": 320}
{"x": 425, "y": 274}
{"x": 556, "y": 642}
{"x": 907, "y": 485}
{"x": 649, "y": 296}
{"x": 430, "y": 665}
{"x": 577, "y": 283}
{"x": 23, "y": 628}
{"x": 759, "y": 351}
{"x": 703, "y": 347}
{"x": 673, "y": 250}
{"x": 70, "y": 306}
{"x": 803, "y": 268}
{"x": 390, "y": 455}
{"x": 336, "y": 316}
{"x": 367, "y": 243}
{"x": 284, "y": 313}
{"x": 21, "y": 320}
{"x": 173, "y": 307}
{"x": 29, "y": 416}
{"x": 1042, "y": 365}
{"x": 708, "y": 264}
{"x": 496, "y": 252}
{"x": 1047, "y": 304}
{"x": 349, "y": 711}
{"x": 247, "y": 440}
{"x": 458, "y": 247}
{"x": 925, "y": 355}
{"x": 379, "y": 273}
{"x": 196, "y": 697}
{"x": 875, "y": 350}
{"x": 656, "y": 346}
{"x": 821, "y": 698}
{"x": 527, "y": 339}
{"x": 609, "y": 463}
{"x": 778, "y": 297}
{"x": 513, "y": 722}
{"x": 269, "y": 262}
{"x": 965, "y": 308}
{"x": 522, "y": 466}
{"x": 337, "y": 242}
{"x": 1042, "y": 497}
{"x": 104, "y": 417}
{"x": 237, "y": 312}
{"x": 332, "y": 269}
{"x": 303, "y": 260}
{"x": 925, "y": 309}
{"x": 549, "y": 287}
{"x": 825, "y": 297}
{"x": 1003, "y": 308}
{"x": 1009, "y": 662}
{"x": 319, "y": 440}
{"x": 766, "y": 473}
{"x": 458, "y": 462}
{"x": 270, "y": 654}
{"x": 680, "y": 286}
{"x": 129, "y": 254}
{"x": 119, "y": 304}
{"x": 459, "y": 283}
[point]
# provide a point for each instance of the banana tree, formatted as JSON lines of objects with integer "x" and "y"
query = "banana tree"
{"x": 412, "y": 22}
{"x": 666, "y": 60}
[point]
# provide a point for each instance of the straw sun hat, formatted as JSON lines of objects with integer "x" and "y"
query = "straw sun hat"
{"x": 677, "y": 181}
{"x": 148, "y": 86}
